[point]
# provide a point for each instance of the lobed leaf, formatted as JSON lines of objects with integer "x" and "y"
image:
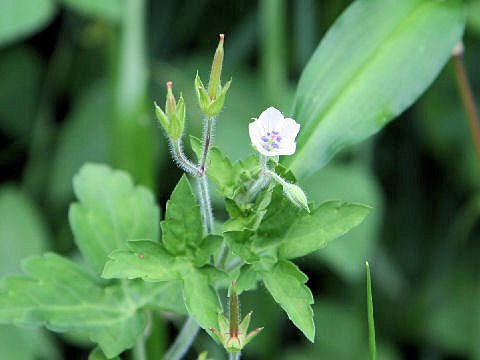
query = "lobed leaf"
{"x": 110, "y": 211}
{"x": 374, "y": 62}
{"x": 62, "y": 296}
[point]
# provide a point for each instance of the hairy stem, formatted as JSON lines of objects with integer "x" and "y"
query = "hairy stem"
{"x": 183, "y": 341}
{"x": 466, "y": 95}
{"x": 180, "y": 158}
{"x": 207, "y": 141}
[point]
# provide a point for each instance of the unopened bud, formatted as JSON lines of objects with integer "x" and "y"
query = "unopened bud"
{"x": 211, "y": 101}
{"x": 296, "y": 195}
{"x": 173, "y": 119}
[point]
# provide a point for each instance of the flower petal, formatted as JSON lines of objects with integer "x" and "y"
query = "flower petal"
{"x": 271, "y": 119}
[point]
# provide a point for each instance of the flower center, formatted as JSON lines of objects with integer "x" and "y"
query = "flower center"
{"x": 271, "y": 140}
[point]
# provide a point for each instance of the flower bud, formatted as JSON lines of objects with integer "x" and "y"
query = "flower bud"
{"x": 211, "y": 101}
{"x": 173, "y": 119}
{"x": 296, "y": 195}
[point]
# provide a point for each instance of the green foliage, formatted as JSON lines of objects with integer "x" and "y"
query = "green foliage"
{"x": 62, "y": 296}
{"x": 19, "y": 18}
{"x": 110, "y": 212}
{"x": 395, "y": 50}
{"x": 180, "y": 257}
{"x": 286, "y": 284}
{"x": 229, "y": 177}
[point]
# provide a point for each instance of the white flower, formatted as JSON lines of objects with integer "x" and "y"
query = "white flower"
{"x": 272, "y": 134}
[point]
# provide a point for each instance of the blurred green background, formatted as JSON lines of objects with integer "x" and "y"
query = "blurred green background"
{"x": 77, "y": 83}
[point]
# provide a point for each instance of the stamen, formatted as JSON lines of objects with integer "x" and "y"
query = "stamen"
{"x": 279, "y": 138}
{"x": 275, "y": 145}
{"x": 264, "y": 138}
{"x": 275, "y": 132}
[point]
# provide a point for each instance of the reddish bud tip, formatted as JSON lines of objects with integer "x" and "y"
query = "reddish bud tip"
{"x": 222, "y": 36}
{"x": 141, "y": 256}
{"x": 169, "y": 85}
{"x": 234, "y": 283}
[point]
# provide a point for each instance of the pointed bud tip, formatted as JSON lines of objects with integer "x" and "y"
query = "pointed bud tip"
{"x": 222, "y": 37}
{"x": 169, "y": 85}
{"x": 234, "y": 284}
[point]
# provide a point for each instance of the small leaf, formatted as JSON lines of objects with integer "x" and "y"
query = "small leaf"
{"x": 182, "y": 228}
{"x": 327, "y": 222}
{"x": 110, "y": 212}
{"x": 286, "y": 284}
{"x": 201, "y": 299}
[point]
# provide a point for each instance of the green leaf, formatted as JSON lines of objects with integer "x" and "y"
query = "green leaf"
{"x": 327, "y": 222}
{"x": 147, "y": 260}
{"x": 286, "y": 283}
{"x": 62, "y": 296}
{"x": 182, "y": 229}
{"x": 201, "y": 299}
{"x": 241, "y": 244}
{"x": 110, "y": 212}
{"x": 150, "y": 261}
{"x": 20, "y": 18}
{"x": 110, "y": 10}
{"x": 357, "y": 184}
{"x": 374, "y": 62}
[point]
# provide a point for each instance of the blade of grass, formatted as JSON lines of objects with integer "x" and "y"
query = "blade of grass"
{"x": 371, "y": 325}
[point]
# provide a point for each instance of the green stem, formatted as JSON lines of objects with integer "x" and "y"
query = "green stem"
{"x": 180, "y": 158}
{"x": 183, "y": 341}
{"x": 276, "y": 177}
{"x": 207, "y": 141}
